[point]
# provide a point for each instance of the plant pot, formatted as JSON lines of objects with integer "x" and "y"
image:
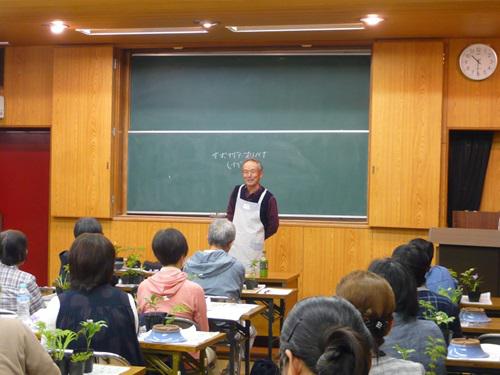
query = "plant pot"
{"x": 63, "y": 365}
{"x": 76, "y": 368}
{"x": 89, "y": 364}
{"x": 136, "y": 279}
{"x": 152, "y": 318}
{"x": 118, "y": 265}
{"x": 251, "y": 284}
{"x": 474, "y": 296}
{"x": 166, "y": 333}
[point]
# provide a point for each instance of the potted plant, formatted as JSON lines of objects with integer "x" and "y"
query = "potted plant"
{"x": 62, "y": 283}
{"x": 171, "y": 316}
{"x": 132, "y": 276}
{"x": 439, "y": 317}
{"x": 88, "y": 331}
{"x": 470, "y": 281}
{"x": 78, "y": 362}
{"x": 153, "y": 317}
{"x": 57, "y": 341}
{"x": 251, "y": 282}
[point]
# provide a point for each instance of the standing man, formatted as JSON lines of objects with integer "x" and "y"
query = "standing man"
{"x": 254, "y": 212}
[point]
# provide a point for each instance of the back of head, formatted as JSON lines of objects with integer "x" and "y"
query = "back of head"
{"x": 221, "y": 233}
{"x": 91, "y": 261}
{"x": 169, "y": 245}
{"x": 402, "y": 284}
{"x": 423, "y": 245}
{"x": 87, "y": 225}
{"x": 372, "y": 295}
{"x": 328, "y": 335}
{"x": 13, "y": 247}
{"x": 414, "y": 259}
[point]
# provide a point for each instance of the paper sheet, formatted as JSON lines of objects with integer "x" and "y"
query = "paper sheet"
{"x": 484, "y": 299}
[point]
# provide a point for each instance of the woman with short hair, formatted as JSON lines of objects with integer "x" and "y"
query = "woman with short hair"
{"x": 170, "y": 283}
{"x": 91, "y": 263}
{"x": 372, "y": 295}
{"x": 13, "y": 253}
{"x": 324, "y": 335}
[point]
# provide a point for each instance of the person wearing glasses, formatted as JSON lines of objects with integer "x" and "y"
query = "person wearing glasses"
{"x": 254, "y": 212}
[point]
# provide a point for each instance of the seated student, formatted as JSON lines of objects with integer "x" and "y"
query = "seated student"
{"x": 21, "y": 352}
{"x": 217, "y": 272}
{"x": 82, "y": 225}
{"x": 418, "y": 263}
{"x": 438, "y": 277}
{"x": 325, "y": 335}
{"x": 372, "y": 295}
{"x": 407, "y": 331}
{"x": 13, "y": 252}
{"x": 91, "y": 263}
{"x": 170, "y": 248}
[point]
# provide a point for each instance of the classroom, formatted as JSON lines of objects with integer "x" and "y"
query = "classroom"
{"x": 68, "y": 102}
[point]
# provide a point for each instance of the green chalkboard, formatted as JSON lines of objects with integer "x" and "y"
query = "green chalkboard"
{"x": 194, "y": 119}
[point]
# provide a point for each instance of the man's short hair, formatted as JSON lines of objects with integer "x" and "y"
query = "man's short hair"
{"x": 255, "y": 161}
{"x": 221, "y": 233}
{"x": 91, "y": 261}
{"x": 414, "y": 260}
{"x": 87, "y": 225}
{"x": 169, "y": 245}
{"x": 424, "y": 245}
{"x": 13, "y": 249}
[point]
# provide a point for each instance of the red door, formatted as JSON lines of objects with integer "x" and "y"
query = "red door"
{"x": 24, "y": 192}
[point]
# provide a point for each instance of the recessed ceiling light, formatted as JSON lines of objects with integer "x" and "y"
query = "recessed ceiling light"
{"x": 145, "y": 31}
{"x": 58, "y": 27}
{"x": 372, "y": 19}
{"x": 294, "y": 28}
{"x": 4, "y": 43}
{"x": 206, "y": 24}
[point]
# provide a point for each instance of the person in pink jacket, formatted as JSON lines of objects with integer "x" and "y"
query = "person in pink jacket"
{"x": 170, "y": 248}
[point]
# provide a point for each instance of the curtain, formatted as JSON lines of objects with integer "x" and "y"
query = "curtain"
{"x": 468, "y": 159}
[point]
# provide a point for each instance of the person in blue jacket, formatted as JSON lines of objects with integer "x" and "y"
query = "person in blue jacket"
{"x": 217, "y": 272}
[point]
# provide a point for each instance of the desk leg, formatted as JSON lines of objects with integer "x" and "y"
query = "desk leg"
{"x": 270, "y": 337}
{"x": 203, "y": 356}
{"x": 247, "y": 347}
{"x": 232, "y": 347}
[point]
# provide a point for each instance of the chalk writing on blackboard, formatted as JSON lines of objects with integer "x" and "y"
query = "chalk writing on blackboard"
{"x": 234, "y": 159}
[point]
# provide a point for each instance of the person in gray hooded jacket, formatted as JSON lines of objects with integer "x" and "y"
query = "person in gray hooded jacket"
{"x": 217, "y": 272}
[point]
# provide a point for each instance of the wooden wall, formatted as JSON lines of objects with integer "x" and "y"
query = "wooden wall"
{"x": 414, "y": 101}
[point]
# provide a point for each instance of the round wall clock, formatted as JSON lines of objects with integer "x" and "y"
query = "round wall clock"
{"x": 478, "y": 61}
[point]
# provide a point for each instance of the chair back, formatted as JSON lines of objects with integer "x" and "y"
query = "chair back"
{"x": 490, "y": 338}
{"x": 109, "y": 358}
{"x": 184, "y": 323}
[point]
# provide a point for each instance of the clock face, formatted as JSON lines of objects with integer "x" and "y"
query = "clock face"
{"x": 478, "y": 61}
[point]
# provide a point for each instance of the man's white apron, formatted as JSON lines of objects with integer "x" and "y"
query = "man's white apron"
{"x": 249, "y": 242}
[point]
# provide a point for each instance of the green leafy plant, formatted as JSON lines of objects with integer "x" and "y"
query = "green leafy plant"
{"x": 469, "y": 280}
{"x": 57, "y": 340}
{"x": 453, "y": 294}
{"x": 80, "y": 356}
{"x": 89, "y": 329}
{"x": 180, "y": 308}
{"x": 153, "y": 301}
{"x": 431, "y": 313}
{"x": 403, "y": 352}
{"x": 436, "y": 350}
{"x": 62, "y": 280}
{"x": 254, "y": 268}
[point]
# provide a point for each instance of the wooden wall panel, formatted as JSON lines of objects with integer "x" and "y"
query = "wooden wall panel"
{"x": 28, "y": 86}
{"x": 490, "y": 201}
{"x": 405, "y": 134}
{"x": 81, "y": 132}
{"x": 472, "y": 104}
{"x": 329, "y": 254}
{"x": 384, "y": 241}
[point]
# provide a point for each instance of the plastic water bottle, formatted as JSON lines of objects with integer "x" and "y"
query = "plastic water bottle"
{"x": 264, "y": 265}
{"x": 23, "y": 304}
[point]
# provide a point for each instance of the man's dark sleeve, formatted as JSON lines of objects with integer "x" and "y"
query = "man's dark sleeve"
{"x": 273, "y": 220}
{"x": 231, "y": 204}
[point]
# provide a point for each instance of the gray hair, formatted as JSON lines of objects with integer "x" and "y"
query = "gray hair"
{"x": 255, "y": 161}
{"x": 221, "y": 233}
